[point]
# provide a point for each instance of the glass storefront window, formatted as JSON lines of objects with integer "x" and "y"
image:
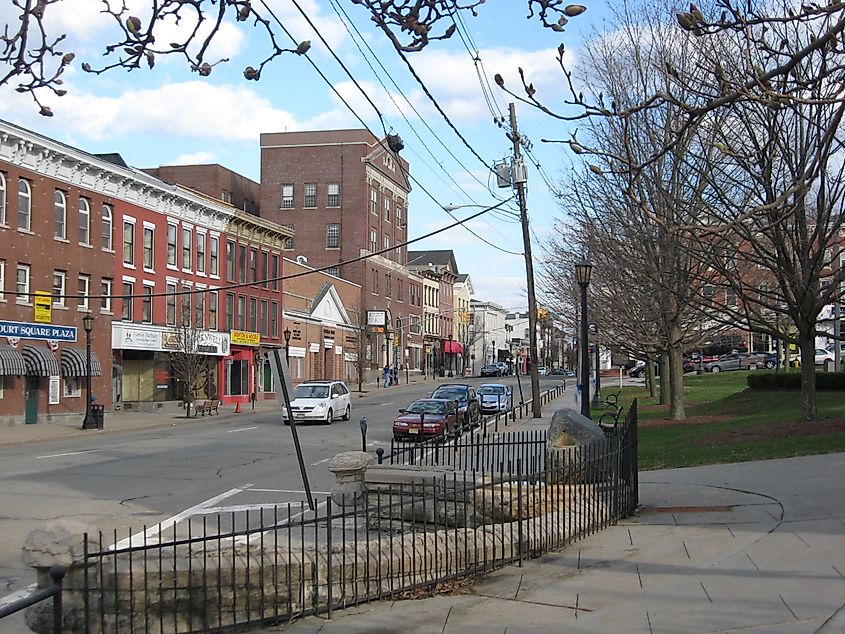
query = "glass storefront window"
{"x": 237, "y": 377}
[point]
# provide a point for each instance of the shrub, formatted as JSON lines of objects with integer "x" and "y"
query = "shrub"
{"x": 792, "y": 380}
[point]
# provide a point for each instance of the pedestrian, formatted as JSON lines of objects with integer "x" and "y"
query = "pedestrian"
{"x": 387, "y": 376}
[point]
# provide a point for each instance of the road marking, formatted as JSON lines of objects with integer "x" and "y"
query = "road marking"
{"x": 386, "y": 404}
{"x": 314, "y": 464}
{"x": 288, "y": 491}
{"x": 71, "y": 453}
{"x": 232, "y": 431}
{"x": 143, "y": 537}
{"x": 248, "y": 507}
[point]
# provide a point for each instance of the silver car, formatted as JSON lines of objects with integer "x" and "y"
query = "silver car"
{"x": 495, "y": 398}
{"x": 736, "y": 361}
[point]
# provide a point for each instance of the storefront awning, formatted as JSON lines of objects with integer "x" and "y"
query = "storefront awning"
{"x": 40, "y": 361}
{"x": 73, "y": 363}
{"x": 11, "y": 361}
{"x": 452, "y": 347}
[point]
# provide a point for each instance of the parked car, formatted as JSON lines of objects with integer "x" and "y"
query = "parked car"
{"x": 491, "y": 370}
{"x": 426, "y": 418}
{"x": 495, "y": 398}
{"x": 690, "y": 365}
{"x": 822, "y": 356}
{"x": 504, "y": 368}
{"x": 770, "y": 359}
{"x": 736, "y": 361}
{"x": 541, "y": 370}
{"x": 320, "y": 401}
{"x": 469, "y": 410}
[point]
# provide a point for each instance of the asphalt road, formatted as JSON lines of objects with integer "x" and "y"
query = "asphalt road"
{"x": 136, "y": 480}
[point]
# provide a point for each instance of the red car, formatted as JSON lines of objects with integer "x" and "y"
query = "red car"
{"x": 426, "y": 418}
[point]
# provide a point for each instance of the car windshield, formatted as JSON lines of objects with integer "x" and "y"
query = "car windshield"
{"x": 451, "y": 394}
{"x": 492, "y": 389}
{"x": 429, "y": 407}
{"x": 311, "y": 391}
{"x": 492, "y": 367}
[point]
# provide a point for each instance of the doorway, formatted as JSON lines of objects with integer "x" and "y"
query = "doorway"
{"x": 31, "y": 400}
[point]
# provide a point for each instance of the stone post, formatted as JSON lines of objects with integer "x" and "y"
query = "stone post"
{"x": 61, "y": 542}
{"x": 349, "y": 469}
{"x": 569, "y": 460}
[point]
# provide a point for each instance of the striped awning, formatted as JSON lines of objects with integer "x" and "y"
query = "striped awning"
{"x": 40, "y": 361}
{"x": 11, "y": 361}
{"x": 73, "y": 363}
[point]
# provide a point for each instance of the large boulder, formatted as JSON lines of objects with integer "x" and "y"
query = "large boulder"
{"x": 577, "y": 449}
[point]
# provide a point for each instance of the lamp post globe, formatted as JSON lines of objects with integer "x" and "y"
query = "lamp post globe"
{"x": 287, "y": 334}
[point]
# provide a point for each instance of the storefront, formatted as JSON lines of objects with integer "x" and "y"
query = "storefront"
{"x": 240, "y": 367}
{"x": 159, "y": 362}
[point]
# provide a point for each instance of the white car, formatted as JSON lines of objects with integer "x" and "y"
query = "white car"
{"x": 494, "y": 398}
{"x": 822, "y": 356}
{"x": 323, "y": 401}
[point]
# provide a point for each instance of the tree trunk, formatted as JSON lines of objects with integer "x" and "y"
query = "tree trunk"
{"x": 664, "y": 378}
{"x": 677, "y": 407}
{"x": 808, "y": 377}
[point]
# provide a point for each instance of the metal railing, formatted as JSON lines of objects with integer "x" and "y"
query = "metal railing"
{"x": 53, "y": 591}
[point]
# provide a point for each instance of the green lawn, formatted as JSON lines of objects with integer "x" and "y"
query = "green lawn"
{"x": 729, "y": 423}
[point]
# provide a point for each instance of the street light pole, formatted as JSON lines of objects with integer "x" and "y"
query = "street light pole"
{"x": 597, "y": 395}
{"x": 88, "y": 325}
{"x": 450, "y": 356}
{"x": 582, "y": 275}
{"x": 287, "y": 335}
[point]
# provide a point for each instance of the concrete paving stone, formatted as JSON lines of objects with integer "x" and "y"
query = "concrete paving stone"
{"x": 496, "y": 615}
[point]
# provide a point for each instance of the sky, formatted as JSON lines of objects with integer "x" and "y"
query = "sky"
{"x": 170, "y": 115}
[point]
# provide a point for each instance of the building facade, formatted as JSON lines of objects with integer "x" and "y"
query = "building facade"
{"x": 490, "y": 337}
{"x": 345, "y": 194}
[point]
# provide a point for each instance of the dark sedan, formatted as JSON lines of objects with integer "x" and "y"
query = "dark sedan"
{"x": 469, "y": 410}
{"x": 426, "y": 418}
{"x": 491, "y": 370}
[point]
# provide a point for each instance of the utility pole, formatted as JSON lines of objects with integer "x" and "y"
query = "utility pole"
{"x": 520, "y": 178}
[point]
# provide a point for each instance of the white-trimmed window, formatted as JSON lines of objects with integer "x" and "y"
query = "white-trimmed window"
{"x": 2, "y": 279}
{"x": 332, "y": 236}
{"x": 106, "y": 286}
{"x": 172, "y": 233}
{"x": 149, "y": 239}
{"x": 24, "y": 205}
{"x": 72, "y": 386}
{"x": 186, "y": 305}
{"x": 398, "y": 216}
{"x": 2, "y": 200}
{"x": 230, "y": 311}
{"x": 84, "y": 221}
{"x": 387, "y": 209}
{"x": 108, "y": 228}
{"x": 274, "y": 319}
{"x": 59, "y": 285}
{"x": 310, "y": 197}
{"x": 333, "y": 270}
{"x": 212, "y": 310}
{"x": 274, "y": 272}
{"x": 265, "y": 268}
{"x": 128, "y": 300}
{"x": 84, "y": 291}
{"x": 200, "y": 310}
{"x": 253, "y": 314}
{"x": 386, "y": 245}
{"x": 333, "y": 195}
{"x": 214, "y": 256}
{"x": 373, "y": 240}
{"x": 147, "y": 303}
{"x": 253, "y": 266}
{"x": 187, "y": 254}
{"x": 288, "y": 240}
{"x": 287, "y": 196}
{"x": 129, "y": 242}
{"x": 170, "y": 304}
{"x": 241, "y": 312}
{"x": 1, "y": 386}
{"x": 200, "y": 252}
{"x": 263, "y": 320}
{"x": 59, "y": 215}
{"x": 373, "y": 201}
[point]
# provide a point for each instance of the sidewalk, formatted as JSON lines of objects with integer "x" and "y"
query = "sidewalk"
{"x": 755, "y": 546}
{"x": 124, "y": 421}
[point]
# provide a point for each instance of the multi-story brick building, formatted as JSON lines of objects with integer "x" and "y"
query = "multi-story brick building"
{"x": 439, "y": 267}
{"x": 213, "y": 180}
{"x": 345, "y": 194}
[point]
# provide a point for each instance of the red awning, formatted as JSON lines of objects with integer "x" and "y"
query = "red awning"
{"x": 452, "y": 347}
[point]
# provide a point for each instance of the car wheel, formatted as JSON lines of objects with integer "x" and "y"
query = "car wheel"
{"x": 770, "y": 364}
{"x": 715, "y": 368}
{"x": 752, "y": 367}
{"x": 329, "y": 417}
{"x": 348, "y": 414}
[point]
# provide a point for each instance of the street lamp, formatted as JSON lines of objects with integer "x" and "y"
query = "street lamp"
{"x": 583, "y": 270}
{"x": 287, "y": 334}
{"x": 88, "y": 325}
{"x": 450, "y": 356}
{"x": 597, "y": 395}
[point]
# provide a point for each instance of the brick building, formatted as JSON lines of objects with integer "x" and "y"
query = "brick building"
{"x": 346, "y": 195}
{"x": 213, "y": 180}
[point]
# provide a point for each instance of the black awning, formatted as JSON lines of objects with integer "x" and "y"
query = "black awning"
{"x": 40, "y": 361}
{"x": 11, "y": 361}
{"x": 73, "y": 363}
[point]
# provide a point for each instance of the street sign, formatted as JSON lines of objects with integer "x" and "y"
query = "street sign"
{"x": 43, "y": 305}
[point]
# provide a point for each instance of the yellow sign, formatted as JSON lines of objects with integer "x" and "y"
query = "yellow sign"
{"x": 43, "y": 307}
{"x": 244, "y": 338}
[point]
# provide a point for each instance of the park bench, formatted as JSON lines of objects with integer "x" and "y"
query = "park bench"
{"x": 609, "y": 421}
{"x": 612, "y": 399}
{"x": 209, "y": 406}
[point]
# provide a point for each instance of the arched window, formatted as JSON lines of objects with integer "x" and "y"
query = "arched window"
{"x": 84, "y": 221}
{"x": 24, "y": 205}
{"x": 108, "y": 227}
{"x": 2, "y": 198}
{"x": 59, "y": 215}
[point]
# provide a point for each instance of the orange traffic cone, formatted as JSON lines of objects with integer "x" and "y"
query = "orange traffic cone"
{"x": 237, "y": 407}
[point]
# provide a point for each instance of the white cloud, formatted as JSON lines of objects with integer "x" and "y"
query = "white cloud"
{"x": 197, "y": 158}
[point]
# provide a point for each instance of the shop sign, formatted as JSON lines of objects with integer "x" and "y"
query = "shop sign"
{"x": 126, "y": 337}
{"x": 162, "y": 378}
{"x": 137, "y": 339}
{"x": 376, "y": 318}
{"x": 244, "y": 338}
{"x": 43, "y": 305}
{"x": 25, "y": 330}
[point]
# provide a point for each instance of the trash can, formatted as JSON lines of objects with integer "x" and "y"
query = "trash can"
{"x": 98, "y": 413}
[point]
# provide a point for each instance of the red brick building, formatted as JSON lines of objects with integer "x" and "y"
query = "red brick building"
{"x": 213, "y": 180}
{"x": 345, "y": 194}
